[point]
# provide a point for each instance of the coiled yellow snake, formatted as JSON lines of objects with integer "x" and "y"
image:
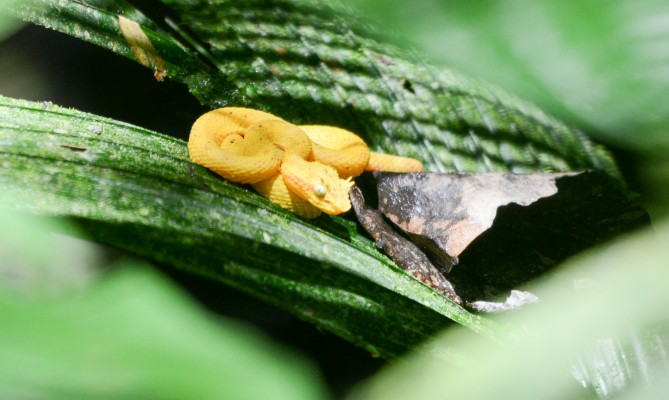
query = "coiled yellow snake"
{"x": 305, "y": 169}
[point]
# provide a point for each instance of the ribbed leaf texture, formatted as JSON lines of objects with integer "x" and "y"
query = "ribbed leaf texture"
{"x": 313, "y": 62}
{"x": 137, "y": 190}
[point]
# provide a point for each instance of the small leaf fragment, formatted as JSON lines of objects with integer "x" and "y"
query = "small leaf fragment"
{"x": 141, "y": 47}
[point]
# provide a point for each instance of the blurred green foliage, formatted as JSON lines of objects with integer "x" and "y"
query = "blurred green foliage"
{"x": 600, "y": 65}
{"x": 72, "y": 329}
{"x": 7, "y": 25}
{"x": 602, "y": 317}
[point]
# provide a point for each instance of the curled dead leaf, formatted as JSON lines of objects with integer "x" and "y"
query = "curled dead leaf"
{"x": 503, "y": 229}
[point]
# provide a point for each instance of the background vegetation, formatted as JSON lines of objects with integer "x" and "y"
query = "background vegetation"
{"x": 77, "y": 324}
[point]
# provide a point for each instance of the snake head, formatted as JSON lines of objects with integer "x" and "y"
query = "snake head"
{"x": 317, "y": 183}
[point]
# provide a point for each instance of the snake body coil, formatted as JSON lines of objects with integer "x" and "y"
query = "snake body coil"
{"x": 306, "y": 169}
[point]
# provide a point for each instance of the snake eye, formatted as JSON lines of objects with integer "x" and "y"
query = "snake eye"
{"x": 320, "y": 190}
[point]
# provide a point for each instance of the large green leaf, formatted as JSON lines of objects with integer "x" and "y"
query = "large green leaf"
{"x": 600, "y": 330}
{"x": 600, "y": 64}
{"x": 70, "y": 330}
{"x": 312, "y": 62}
{"x": 137, "y": 190}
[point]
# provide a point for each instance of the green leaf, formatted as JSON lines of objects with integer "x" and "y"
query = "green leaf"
{"x": 601, "y": 328}
{"x": 7, "y": 25}
{"x": 124, "y": 334}
{"x": 602, "y": 65}
{"x": 312, "y": 62}
{"x": 137, "y": 190}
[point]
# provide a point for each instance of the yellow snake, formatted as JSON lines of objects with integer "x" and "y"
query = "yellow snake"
{"x": 306, "y": 169}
